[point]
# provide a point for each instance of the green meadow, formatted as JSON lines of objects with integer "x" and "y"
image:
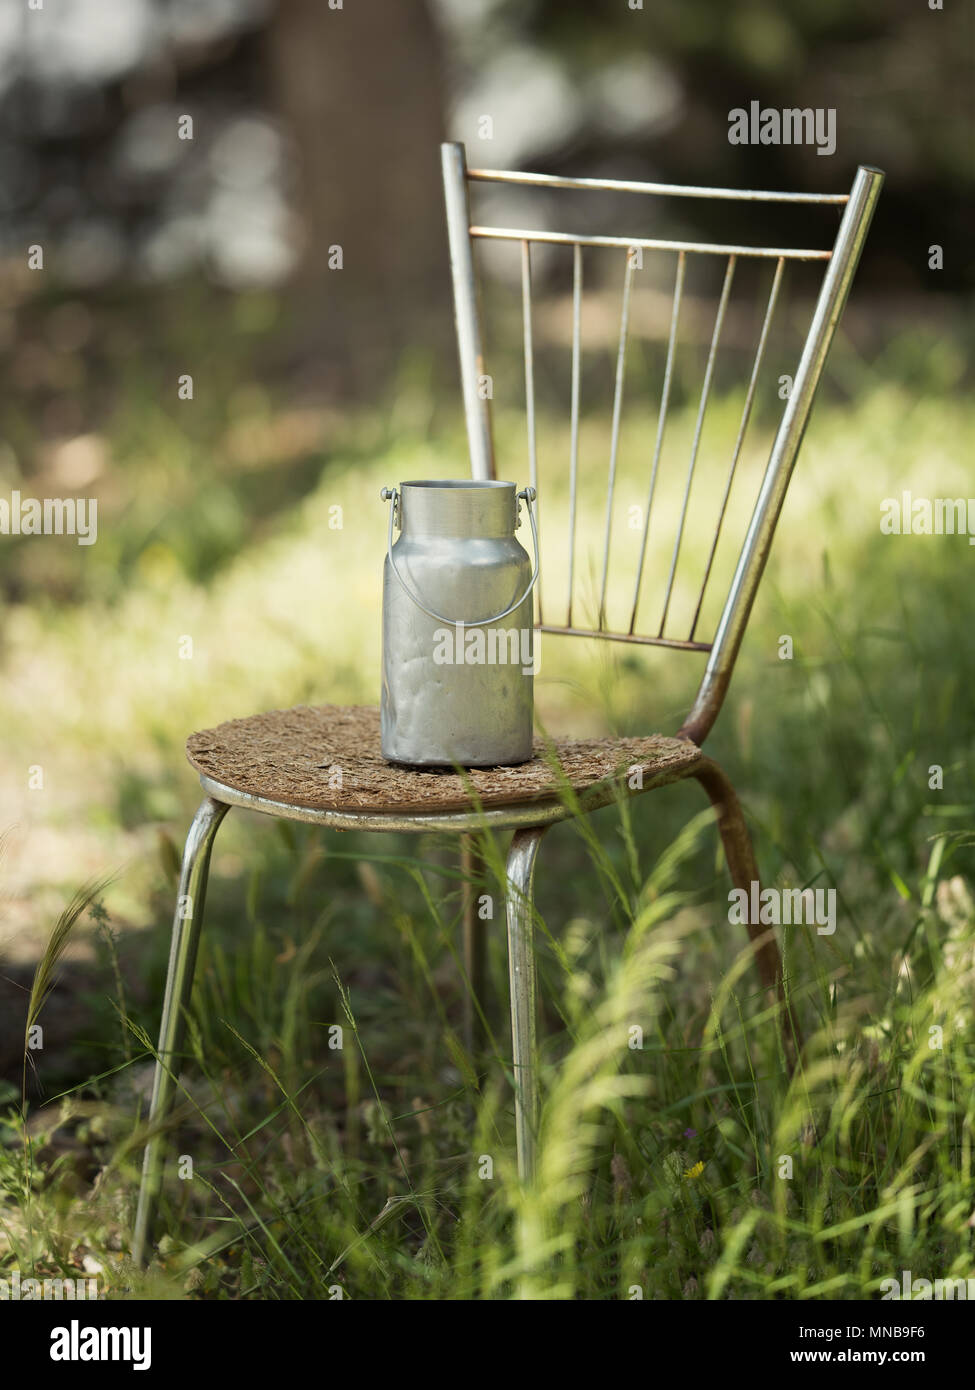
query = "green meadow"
{"x": 238, "y": 569}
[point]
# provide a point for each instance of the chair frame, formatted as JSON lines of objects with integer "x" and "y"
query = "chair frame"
{"x": 530, "y": 821}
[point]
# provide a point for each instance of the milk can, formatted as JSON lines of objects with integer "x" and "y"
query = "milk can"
{"x": 458, "y": 653}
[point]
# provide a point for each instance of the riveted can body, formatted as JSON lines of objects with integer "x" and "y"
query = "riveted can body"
{"x": 457, "y": 666}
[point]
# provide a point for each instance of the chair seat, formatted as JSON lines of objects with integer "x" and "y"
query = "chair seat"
{"x": 293, "y": 757}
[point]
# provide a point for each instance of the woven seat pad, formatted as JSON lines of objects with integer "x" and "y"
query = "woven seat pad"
{"x": 288, "y": 756}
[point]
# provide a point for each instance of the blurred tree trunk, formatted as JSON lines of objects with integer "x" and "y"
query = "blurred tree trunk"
{"x": 361, "y": 89}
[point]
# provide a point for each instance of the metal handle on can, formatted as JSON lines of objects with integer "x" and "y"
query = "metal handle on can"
{"x": 527, "y": 495}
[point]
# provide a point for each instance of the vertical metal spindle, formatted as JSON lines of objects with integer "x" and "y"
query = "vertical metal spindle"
{"x": 742, "y": 428}
{"x": 574, "y": 445}
{"x": 758, "y": 540}
{"x": 661, "y": 425}
{"x": 615, "y": 437}
{"x": 526, "y": 305}
{"x": 702, "y": 408}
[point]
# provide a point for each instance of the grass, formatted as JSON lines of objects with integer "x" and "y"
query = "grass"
{"x": 689, "y": 1167}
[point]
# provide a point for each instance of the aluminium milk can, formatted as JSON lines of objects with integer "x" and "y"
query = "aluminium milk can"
{"x": 458, "y": 653}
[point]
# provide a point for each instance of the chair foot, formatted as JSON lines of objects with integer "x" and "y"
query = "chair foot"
{"x": 743, "y": 869}
{"x": 187, "y": 923}
{"x": 521, "y": 973}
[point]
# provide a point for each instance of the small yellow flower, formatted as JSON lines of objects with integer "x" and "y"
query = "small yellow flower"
{"x": 694, "y": 1172}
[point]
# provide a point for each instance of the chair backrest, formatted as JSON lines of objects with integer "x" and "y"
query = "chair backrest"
{"x": 840, "y": 265}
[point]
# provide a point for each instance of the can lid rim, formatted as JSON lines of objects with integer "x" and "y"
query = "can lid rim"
{"x": 456, "y": 484}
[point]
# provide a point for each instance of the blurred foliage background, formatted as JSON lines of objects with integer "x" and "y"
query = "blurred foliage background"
{"x": 313, "y": 128}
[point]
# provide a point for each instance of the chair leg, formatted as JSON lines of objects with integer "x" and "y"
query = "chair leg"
{"x": 521, "y": 973}
{"x": 474, "y": 949}
{"x": 743, "y": 869}
{"x": 187, "y": 923}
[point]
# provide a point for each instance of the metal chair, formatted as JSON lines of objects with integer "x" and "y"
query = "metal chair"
{"x": 277, "y": 763}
